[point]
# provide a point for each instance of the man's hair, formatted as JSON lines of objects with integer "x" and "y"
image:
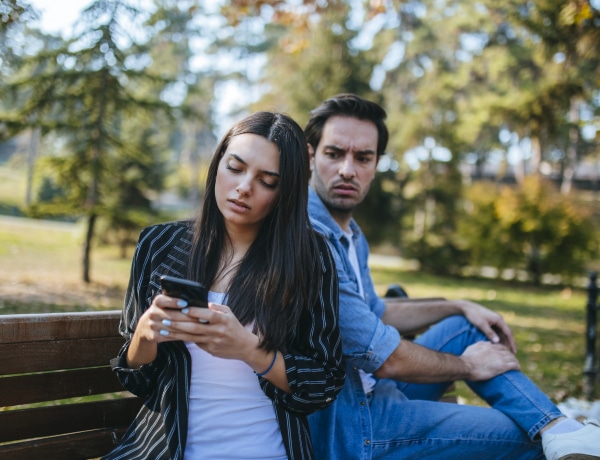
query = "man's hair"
{"x": 347, "y": 105}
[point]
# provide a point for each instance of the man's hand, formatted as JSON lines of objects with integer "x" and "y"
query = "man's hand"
{"x": 411, "y": 362}
{"x": 486, "y": 360}
{"x": 490, "y": 323}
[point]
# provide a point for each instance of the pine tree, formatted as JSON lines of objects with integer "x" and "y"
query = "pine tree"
{"x": 91, "y": 90}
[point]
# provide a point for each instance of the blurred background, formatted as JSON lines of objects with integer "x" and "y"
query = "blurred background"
{"x": 110, "y": 111}
{"x": 490, "y": 188}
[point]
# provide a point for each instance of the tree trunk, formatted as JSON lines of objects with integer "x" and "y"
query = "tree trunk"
{"x": 571, "y": 160}
{"x": 87, "y": 247}
{"x": 536, "y": 154}
{"x": 34, "y": 142}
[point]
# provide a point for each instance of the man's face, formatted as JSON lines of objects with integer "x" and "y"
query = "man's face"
{"x": 344, "y": 164}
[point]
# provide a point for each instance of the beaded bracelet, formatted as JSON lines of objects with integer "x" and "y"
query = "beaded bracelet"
{"x": 270, "y": 366}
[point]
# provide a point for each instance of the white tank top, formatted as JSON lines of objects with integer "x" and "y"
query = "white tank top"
{"x": 230, "y": 417}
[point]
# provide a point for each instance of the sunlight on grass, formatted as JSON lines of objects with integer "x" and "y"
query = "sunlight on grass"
{"x": 12, "y": 185}
{"x": 40, "y": 263}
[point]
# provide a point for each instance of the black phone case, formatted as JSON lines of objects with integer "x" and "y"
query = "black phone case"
{"x": 194, "y": 293}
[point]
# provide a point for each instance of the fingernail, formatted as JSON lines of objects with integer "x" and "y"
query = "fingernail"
{"x": 166, "y": 322}
{"x": 164, "y": 332}
{"x": 182, "y": 303}
{"x": 185, "y": 311}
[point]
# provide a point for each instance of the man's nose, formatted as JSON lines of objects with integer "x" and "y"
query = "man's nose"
{"x": 347, "y": 170}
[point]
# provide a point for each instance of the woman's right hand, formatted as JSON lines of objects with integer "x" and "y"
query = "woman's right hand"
{"x": 159, "y": 323}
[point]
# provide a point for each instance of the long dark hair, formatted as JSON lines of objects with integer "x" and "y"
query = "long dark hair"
{"x": 272, "y": 285}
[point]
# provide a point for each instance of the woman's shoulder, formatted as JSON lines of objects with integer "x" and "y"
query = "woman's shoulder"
{"x": 166, "y": 232}
{"x": 169, "y": 228}
{"x": 321, "y": 241}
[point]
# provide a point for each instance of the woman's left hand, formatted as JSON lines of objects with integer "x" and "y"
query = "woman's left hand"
{"x": 221, "y": 334}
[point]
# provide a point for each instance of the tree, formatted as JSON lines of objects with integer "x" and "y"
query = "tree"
{"x": 175, "y": 26}
{"x": 89, "y": 89}
{"x": 531, "y": 227}
{"x": 308, "y": 66}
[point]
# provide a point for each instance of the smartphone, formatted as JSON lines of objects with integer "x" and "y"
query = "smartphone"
{"x": 194, "y": 293}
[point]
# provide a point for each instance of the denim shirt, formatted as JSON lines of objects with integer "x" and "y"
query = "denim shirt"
{"x": 343, "y": 430}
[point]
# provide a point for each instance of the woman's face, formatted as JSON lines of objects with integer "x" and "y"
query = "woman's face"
{"x": 247, "y": 184}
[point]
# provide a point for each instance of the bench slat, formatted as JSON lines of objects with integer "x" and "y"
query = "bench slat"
{"x": 72, "y": 418}
{"x": 58, "y": 326}
{"x": 18, "y": 358}
{"x": 89, "y": 444}
{"x": 32, "y": 388}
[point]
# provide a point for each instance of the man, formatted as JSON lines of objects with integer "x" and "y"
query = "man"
{"x": 389, "y": 405}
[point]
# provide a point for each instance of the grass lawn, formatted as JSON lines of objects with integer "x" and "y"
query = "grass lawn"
{"x": 41, "y": 271}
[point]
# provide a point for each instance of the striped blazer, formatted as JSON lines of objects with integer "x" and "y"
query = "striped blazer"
{"x": 313, "y": 362}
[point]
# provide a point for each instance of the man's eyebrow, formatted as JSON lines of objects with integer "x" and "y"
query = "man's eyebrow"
{"x": 337, "y": 148}
{"x": 241, "y": 160}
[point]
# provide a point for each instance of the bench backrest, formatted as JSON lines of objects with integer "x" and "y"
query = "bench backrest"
{"x": 58, "y": 395}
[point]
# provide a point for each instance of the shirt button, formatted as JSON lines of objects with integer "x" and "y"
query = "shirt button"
{"x": 362, "y": 403}
{"x": 367, "y": 442}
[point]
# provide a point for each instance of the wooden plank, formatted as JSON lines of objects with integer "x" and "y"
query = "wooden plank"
{"x": 18, "y": 358}
{"x": 89, "y": 444}
{"x": 58, "y": 326}
{"x": 39, "y": 422}
{"x": 32, "y": 388}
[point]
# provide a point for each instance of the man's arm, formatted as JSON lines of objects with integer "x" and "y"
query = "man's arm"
{"x": 413, "y": 363}
{"x": 409, "y": 315}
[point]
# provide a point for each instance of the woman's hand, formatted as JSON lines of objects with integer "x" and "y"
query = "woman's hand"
{"x": 217, "y": 331}
{"x": 154, "y": 326}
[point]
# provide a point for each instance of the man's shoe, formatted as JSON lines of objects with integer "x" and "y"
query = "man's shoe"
{"x": 583, "y": 444}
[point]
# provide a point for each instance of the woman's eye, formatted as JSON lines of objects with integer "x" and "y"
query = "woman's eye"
{"x": 231, "y": 168}
{"x": 269, "y": 185}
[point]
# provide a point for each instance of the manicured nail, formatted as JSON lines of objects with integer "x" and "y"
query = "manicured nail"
{"x": 185, "y": 311}
{"x": 182, "y": 303}
{"x": 166, "y": 322}
{"x": 164, "y": 332}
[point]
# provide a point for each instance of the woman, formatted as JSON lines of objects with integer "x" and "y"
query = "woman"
{"x": 236, "y": 379}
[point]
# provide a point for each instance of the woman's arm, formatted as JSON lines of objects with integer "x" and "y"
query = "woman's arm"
{"x": 137, "y": 367}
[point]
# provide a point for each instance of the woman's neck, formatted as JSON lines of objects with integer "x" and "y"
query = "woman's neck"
{"x": 232, "y": 255}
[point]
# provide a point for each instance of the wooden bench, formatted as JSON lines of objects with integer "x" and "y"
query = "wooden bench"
{"x": 58, "y": 395}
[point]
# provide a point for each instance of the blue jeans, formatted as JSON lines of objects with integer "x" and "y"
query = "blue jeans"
{"x": 409, "y": 422}
{"x": 401, "y": 420}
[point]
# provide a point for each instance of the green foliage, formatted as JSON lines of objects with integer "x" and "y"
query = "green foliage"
{"x": 49, "y": 191}
{"x": 531, "y": 227}
{"x": 306, "y": 67}
{"x": 384, "y": 194}
{"x": 94, "y": 92}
